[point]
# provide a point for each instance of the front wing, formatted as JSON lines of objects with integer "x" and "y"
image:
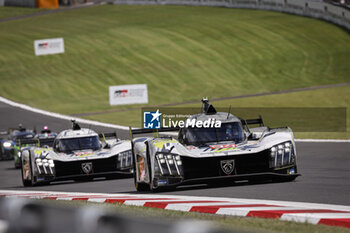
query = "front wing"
{"x": 81, "y": 169}
{"x": 174, "y": 170}
{"x": 173, "y": 181}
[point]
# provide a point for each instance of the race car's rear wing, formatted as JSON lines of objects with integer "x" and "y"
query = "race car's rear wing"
{"x": 154, "y": 131}
{"x": 258, "y": 121}
{"x": 35, "y": 142}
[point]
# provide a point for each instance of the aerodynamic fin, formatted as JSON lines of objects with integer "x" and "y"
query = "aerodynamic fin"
{"x": 207, "y": 108}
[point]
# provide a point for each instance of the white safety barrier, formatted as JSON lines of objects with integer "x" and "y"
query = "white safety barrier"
{"x": 337, "y": 14}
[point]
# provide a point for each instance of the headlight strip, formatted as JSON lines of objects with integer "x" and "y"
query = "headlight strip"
{"x": 281, "y": 155}
{"x": 44, "y": 164}
{"x": 177, "y": 168}
{"x": 125, "y": 159}
{"x": 169, "y": 164}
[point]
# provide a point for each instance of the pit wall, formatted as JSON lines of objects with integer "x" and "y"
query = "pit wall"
{"x": 336, "y": 14}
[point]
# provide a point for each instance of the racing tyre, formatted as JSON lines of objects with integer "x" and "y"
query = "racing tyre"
{"x": 142, "y": 187}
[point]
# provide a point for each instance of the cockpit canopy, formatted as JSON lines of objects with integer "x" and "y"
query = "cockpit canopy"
{"x": 20, "y": 135}
{"x": 230, "y": 131}
{"x": 68, "y": 145}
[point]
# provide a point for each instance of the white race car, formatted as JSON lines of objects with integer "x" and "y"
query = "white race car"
{"x": 203, "y": 155}
{"x": 77, "y": 154}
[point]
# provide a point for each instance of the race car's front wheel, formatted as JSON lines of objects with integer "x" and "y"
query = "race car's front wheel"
{"x": 142, "y": 187}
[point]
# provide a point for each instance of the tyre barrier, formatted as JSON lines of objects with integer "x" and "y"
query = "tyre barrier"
{"x": 335, "y": 13}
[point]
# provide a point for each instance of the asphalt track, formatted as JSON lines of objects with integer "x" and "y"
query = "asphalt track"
{"x": 324, "y": 167}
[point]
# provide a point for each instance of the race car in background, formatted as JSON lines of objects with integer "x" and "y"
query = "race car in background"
{"x": 202, "y": 155}
{"x": 9, "y": 147}
{"x": 77, "y": 154}
{"x": 44, "y": 138}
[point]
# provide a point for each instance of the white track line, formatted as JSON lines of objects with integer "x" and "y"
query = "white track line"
{"x": 121, "y": 127}
{"x": 60, "y": 116}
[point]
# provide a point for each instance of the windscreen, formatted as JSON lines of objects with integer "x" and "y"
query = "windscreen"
{"x": 22, "y": 136}
{"x": 227, "y": 132}
{"x": 75, "y": 144}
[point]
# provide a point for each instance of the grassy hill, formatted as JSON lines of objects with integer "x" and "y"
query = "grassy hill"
{"x": 181, "y": 53}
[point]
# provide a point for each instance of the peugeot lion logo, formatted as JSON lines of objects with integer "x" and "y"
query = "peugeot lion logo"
{"x": 87, "y": 167}
{"x": 227, "y": 166}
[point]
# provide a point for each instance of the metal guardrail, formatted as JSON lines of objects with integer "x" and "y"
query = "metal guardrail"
{"x": 333, "y": 13}
{"x": 28, "y": 216}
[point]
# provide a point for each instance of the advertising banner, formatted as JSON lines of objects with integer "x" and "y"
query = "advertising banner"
{"x": 128, "y": 94}
{"x": 48, "y": 46}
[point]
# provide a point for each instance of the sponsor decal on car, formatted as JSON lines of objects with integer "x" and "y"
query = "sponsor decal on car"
{"x": 222, "y": 146}
{"x": 163, "y": 143}
{"x": 42, "y": 152}
{"x": 162, "y": 182}
{"x": 83, "y": 153}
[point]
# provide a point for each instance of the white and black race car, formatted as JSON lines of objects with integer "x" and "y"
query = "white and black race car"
{"x": 76, "y": 154}
{"x": 203, "y": 155}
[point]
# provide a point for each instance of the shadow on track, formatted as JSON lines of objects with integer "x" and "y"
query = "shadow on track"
{"x": 209, "y": 186}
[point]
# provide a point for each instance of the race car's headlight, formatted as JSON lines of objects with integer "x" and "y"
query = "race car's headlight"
{"x": 281, "y": 155}
{"x": 124, "y": 159}
{"x": 7, "y": 144}
{"x": 168, "y": 164}
{"x": 45, "y": 166}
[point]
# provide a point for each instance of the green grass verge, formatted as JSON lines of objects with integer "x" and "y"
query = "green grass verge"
{"x": 182, "y": 53}
{"x": 236, "y": 224}
{"x": 331, "y": 97}
{"x": 6, "y": 12}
